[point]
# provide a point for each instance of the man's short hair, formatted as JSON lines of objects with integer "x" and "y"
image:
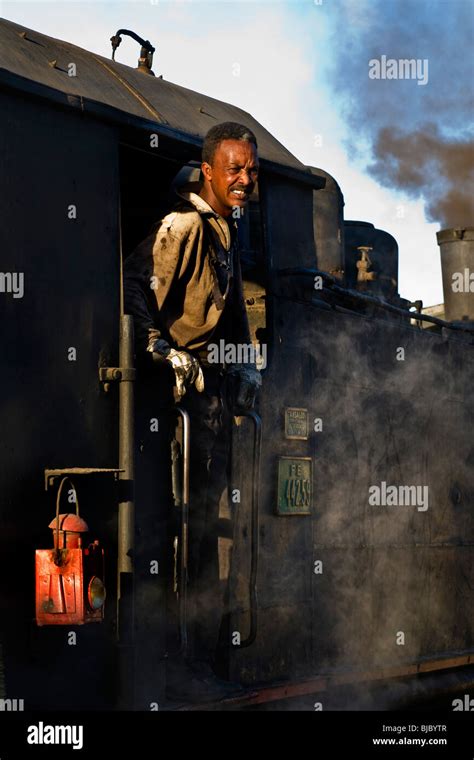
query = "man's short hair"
{"x": 228, "y": 130}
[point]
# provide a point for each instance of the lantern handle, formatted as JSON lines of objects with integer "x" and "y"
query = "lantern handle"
{"x": 58, "y": 499}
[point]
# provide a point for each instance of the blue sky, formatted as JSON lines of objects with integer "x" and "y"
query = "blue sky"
{"x": 300, "y": 68}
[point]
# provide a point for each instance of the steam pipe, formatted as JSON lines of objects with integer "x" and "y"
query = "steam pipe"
{"x": 457, "y": 262}
{"x": 145, "y": 61}
{"x": 332, "y": 285}
{"x": 126, "y": 519}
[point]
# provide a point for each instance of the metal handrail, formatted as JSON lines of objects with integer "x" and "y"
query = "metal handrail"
{"x": 257, "y": 447}
{"x": 183, "y": 575}
{"x": 376, "y": 301}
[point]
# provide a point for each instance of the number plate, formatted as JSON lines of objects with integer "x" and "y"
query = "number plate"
{"x": 295, "y": 486}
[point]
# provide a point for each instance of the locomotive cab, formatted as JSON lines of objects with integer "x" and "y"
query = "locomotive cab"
{"x": 331, "y": 577}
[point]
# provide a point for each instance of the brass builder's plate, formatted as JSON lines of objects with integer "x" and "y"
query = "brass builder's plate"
{"x": 296, "y": 424}
{"x": 295, "y": 483}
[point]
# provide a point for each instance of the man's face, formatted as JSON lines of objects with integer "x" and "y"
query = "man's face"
{"x": 230, "y": 180}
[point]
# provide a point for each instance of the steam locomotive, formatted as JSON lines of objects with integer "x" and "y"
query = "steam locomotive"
{"x": 348, "y": 557}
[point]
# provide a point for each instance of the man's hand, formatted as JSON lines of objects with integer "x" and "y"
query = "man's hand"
{"x": 187, "y": 371}
{"x": 248, "y": 382}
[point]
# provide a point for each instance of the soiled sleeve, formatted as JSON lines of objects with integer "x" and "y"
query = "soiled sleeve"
{"x": 150, "y": 273}
{"x": 137, "y": 274}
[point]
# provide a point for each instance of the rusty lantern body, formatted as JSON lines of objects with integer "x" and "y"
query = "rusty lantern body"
{"x": 70, "y": 586}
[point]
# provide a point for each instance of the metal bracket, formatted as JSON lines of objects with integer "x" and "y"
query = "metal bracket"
{"x": 51, "y": 475}
{"x": 109, "y": 375}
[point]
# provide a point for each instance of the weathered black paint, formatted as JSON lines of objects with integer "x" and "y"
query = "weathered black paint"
{"x": 54, "y": 413}
{"x": 383, "y": 419}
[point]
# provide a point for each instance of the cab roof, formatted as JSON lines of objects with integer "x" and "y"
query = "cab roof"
{"x": 36, "y": 63}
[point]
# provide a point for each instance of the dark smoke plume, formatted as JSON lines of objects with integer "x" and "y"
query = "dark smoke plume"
{"x": 425, "y": 163}
{"x": 421, "y": 135}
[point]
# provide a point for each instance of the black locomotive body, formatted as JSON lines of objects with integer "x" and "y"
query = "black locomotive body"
{"x": 326, "y": 587}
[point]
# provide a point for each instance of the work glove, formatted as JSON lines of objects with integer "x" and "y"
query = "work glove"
{"x": 187, "y": 369}
{"x": 248, "y": 381}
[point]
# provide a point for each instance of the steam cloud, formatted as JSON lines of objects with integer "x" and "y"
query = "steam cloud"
{"x": 421, "y": 137}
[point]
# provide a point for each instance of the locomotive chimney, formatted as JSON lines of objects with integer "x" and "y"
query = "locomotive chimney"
{"x": 457, "y": 266}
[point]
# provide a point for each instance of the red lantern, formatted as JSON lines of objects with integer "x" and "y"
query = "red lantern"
{"x": 70, "y": 586}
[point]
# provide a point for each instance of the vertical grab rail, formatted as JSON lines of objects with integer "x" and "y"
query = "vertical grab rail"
{"x": 257, "y": 447}
{"x": 183, "y": 575}
{"x": 126, "y": 518}
{"x": 183, "y": 579}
